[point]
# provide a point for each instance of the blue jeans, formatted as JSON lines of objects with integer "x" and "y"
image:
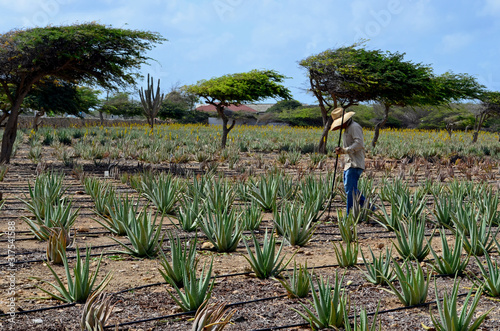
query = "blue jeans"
{"x": 351, "y": 177}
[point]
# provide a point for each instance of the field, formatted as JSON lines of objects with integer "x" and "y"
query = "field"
{"x": 268, "y": 189}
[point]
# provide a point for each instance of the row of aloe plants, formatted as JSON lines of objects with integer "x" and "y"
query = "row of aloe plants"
{"x": 216, "y": 205}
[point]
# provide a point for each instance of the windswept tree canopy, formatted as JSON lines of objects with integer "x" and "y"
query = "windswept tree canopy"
{"x": 88, "y": 53}
{"x": 247, "y": 87}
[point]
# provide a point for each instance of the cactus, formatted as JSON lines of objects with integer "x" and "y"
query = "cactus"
{"x": 151, "y": 102}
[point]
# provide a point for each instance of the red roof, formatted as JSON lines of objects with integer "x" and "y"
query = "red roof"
{"x": 211, "y": 108}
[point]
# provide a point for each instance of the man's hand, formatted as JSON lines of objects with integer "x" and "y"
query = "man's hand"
{"x": 339, "y": 150}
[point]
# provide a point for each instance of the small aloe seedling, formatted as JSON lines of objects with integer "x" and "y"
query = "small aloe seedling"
{"x": 212, "y": 317}
{"x": 266, "y": 262}
{"x": 379, "y": 271}
{"x": 96, "y": 312}
{"x": 450, "y": 261}
{"x": 347, "y": 257}
{"x": 81, "y": 284}
{"x": 298, "y": 283}
{"x": 182, "y": 258}
{"x": 414, "y": 285}
{"x": 328, "y": 305}
{"x": 450, "y": 319}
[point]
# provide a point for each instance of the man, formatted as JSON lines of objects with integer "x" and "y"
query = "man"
{"x": 354, "y": 153}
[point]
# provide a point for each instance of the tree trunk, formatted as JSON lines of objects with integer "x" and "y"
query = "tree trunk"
{"x": 324, "y": 135}
{"x": 379, "y": 126}
{"x": 225, "y": 130}
{"x": 10, "y": 133}
{"x": 36, "y": 120}
{"x": 101, "y": 118}
{"x": 478, "y": 123}
{"x": 474, "y": 136}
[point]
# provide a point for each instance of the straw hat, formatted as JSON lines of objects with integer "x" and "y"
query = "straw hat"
{"x": 337, "y": 118}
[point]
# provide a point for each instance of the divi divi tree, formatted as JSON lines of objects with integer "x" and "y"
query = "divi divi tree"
{"x": 237, "y": 89}
{"x": 88, "y": 53}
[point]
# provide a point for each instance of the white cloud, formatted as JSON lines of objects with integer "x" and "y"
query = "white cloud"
{"x": 491, "y": 7}
{"x": 451, "y": 43}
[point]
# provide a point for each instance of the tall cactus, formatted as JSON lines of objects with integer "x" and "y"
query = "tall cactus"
{"x": 151, "y": 102}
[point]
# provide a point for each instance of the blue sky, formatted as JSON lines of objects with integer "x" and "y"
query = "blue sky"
{"x": 210, "y": 38}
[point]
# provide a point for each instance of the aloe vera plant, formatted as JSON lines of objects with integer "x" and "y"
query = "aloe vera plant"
{"x": 328, "y": 305}
{"x": 212, "y": 317}
{"x": 251, "y": 217}
{"x": 414, "y": 285}
{"x": 298, "y": 283}
{"x": 96, "y": 312}
{"x": 487, "y": 207}
{"x": 411, "y": 240}
{"x": 314, "y": 192}
{"x": 60, "y": 215}
{"x": 266, "y": 262}
{"x": 144, "y": 236}
{"x": 379, "y": 271}
{"x": 222, "y": 229}
{"x": 122, "y": 211}
{"x": 347, "y": 257}
{"x": 449, "y": 317}
{"x": 390, "y": 221}
{"x": 189, "y": 213}
{"x": 348, "y": 227}
{"x": 295, "y": 223}
{"x": 56, "y": 243}
{"x": 265, "y": 192}
{"x": 491, "y": 276}
{"x": 287, "y": 187}
{"x": 46, "y": 191}
{"x": 163, "y": 191}
{"x": 450, "y": 262}
{"x": 81, "y": 284}
{"x": 360, "y": 322}
{"x": 197, "y": 291}
{"x": 182, "y": 259}
{"x": 444, "y": 207}
{"x": 220, "y": 195}
{"x": 478, "y": 234}
{"x": 102, "y": 193}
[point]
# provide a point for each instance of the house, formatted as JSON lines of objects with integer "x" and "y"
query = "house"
{"x": 233, "y": 108}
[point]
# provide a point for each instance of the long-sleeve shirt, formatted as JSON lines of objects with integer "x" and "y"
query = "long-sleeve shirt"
{"x": 354, "y": 147}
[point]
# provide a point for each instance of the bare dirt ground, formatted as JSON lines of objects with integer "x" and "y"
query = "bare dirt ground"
{"x": 259, "y": 304}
